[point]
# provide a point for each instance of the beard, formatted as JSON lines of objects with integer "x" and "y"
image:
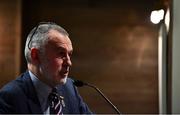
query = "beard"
{"x": 63, "y": 80}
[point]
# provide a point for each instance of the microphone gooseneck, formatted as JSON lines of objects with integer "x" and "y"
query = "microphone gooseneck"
{"x": 79, "y": 83}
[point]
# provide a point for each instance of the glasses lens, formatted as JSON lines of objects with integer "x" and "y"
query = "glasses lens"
{"x": 36, "y": 28}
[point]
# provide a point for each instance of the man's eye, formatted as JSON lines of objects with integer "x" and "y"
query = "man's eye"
{"x": 64, "y": 54}
{"x": 61, "y": 54}
{"x": 70, "y": 54}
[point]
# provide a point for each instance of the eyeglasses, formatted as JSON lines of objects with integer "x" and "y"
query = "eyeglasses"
{"x": 36, "y": 28}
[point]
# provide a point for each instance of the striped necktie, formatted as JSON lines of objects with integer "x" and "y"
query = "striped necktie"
{"x": 55, "y": 103}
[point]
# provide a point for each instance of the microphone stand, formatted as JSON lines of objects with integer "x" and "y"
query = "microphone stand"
{"x": 97, "y": 89}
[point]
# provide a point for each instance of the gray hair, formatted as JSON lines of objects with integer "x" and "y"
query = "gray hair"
{"x": 39, "y": 36}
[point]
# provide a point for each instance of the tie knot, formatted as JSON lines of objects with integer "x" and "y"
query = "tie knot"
{"x": 55, "y": 102}
{"x": 53, "y": 96}
{"x": 54, "y": 90}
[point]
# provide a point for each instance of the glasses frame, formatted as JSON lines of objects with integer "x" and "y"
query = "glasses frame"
{"x": 36, "y": 28}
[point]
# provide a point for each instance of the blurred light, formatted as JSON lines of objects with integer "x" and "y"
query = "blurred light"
{"x": 167, "y": 19}
{"x": 157, "y": 16}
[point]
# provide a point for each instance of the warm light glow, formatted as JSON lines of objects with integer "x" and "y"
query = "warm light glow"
{"x": 167, "y": 19}
{"x": 157, "y": 16}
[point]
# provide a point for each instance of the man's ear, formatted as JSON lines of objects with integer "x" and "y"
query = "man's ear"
{"x": 34, "y": 55}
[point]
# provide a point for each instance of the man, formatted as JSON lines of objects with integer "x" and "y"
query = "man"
{"x": 44, "y": 88}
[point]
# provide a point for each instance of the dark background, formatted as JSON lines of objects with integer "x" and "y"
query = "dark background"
{"x": 115, "y": 48}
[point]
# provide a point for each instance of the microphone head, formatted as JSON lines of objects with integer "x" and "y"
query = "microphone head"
{"x": 78, "y": 83}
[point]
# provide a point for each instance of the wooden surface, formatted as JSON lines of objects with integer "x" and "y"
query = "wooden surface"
{"x": 10, "y": 18}
{"x": 115, "y": 48}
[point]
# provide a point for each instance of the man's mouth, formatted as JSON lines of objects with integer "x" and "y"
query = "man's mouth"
{"x": 64, "y": 72}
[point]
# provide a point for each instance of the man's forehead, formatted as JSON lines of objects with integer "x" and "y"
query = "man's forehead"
{"x": 57, "y": 37}
{"x": 59, "y": 41}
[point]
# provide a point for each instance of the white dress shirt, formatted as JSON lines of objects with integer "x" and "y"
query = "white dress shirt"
{"x": 42, "y": 91}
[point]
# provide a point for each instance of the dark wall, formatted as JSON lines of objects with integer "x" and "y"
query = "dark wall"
{"x": 10, "y": 15}
{"x": 115, "y": 48}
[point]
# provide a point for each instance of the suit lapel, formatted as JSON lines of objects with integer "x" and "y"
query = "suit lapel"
{"x": 61, "y": 93}
{"x": 71, "y": 104}
{"x": 33, "y": 101}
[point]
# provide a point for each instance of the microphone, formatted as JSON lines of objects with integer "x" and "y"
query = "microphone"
{"x": 79, "y": 83}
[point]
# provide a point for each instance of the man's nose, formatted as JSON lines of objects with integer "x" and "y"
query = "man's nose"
{"x": 67, "y": 61}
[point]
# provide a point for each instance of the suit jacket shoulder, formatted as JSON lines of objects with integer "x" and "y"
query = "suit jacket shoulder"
{"x": 19, "y": 96}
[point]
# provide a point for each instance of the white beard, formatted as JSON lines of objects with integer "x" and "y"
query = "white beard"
{"x": 63, "y": 81}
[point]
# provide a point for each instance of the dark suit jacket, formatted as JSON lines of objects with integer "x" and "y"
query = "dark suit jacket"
{"x": 19, "y": 96}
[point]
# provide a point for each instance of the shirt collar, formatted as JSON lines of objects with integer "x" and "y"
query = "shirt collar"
{"x": 42, "y": 90}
